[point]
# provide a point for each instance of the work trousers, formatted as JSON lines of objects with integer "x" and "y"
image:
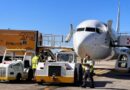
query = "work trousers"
{"x": 89, "y": 76}
{"x": 33, "y": 72}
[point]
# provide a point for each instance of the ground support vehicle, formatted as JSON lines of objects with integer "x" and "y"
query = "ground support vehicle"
{"x": 123, "y": 61}
{"x": 64, "y": 69}
{"x": 16, "y": 65}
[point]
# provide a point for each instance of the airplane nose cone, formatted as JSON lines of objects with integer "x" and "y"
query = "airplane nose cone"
{"x": 90, "y": 44}
{"x": 80, "y": 42}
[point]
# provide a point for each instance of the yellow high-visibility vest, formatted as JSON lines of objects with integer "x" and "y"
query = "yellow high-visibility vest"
{"x": 84, "y": 67}
{"x": 34, "y": 62}
{"x": 91, "y": 68}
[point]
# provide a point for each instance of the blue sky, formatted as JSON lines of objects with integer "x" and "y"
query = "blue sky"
{"x": 55, "y": 16}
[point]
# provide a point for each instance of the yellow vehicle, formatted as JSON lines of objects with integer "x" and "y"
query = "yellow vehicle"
{"x": 63, "y": 69}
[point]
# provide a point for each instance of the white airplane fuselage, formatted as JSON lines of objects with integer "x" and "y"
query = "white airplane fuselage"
{"x": 92, "y": 39}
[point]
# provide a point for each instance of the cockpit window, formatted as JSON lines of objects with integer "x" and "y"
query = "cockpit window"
{"x": 80, "y": 29}
{"x": 98, "y": 31}
{"x": 90, "y": 29}
{"x": 93, "y": 30}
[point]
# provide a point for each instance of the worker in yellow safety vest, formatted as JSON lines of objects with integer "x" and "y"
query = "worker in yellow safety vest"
{"x": 34, "y": 63}
{"x": 88, "y": 73}
{"x": 89, "y": 61}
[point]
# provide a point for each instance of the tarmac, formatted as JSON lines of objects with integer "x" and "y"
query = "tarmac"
{"x": 106, "y": 78}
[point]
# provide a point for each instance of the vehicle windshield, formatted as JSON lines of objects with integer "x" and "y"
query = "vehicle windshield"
{"x": 12, "y": 56}
{"x": 65, "y": 57}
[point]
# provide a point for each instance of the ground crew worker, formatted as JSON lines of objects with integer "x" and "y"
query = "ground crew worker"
{"x": 34, "y": 63}
{"x": 91, "y": 63}
{"x": 88, "y": 74}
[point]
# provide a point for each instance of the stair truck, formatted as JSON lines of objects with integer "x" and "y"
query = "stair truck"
{"x": 64, "y": 69}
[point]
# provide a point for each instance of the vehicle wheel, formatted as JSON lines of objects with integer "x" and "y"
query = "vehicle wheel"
{"x": 11, "y": 81}
{"x": 39, "y": 83}
{"x": 18, "y": 77}
{"x": 78, "y": 74}
{"x": 30, "y": 75}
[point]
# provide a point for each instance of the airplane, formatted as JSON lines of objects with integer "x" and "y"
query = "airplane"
{"x": 95, "y": 39}
{"x": 91, "y": 39}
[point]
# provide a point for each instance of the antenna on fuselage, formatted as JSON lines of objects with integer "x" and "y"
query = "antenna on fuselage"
{"x": 118, "y": 18}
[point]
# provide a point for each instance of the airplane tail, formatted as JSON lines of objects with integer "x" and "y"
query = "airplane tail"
{"x": 118, "y": 18}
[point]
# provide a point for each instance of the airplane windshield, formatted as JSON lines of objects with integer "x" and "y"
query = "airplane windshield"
{"x": 90, "y": 30}
{"x": 80, "y": 29}
{"x": 93, "y": 30}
